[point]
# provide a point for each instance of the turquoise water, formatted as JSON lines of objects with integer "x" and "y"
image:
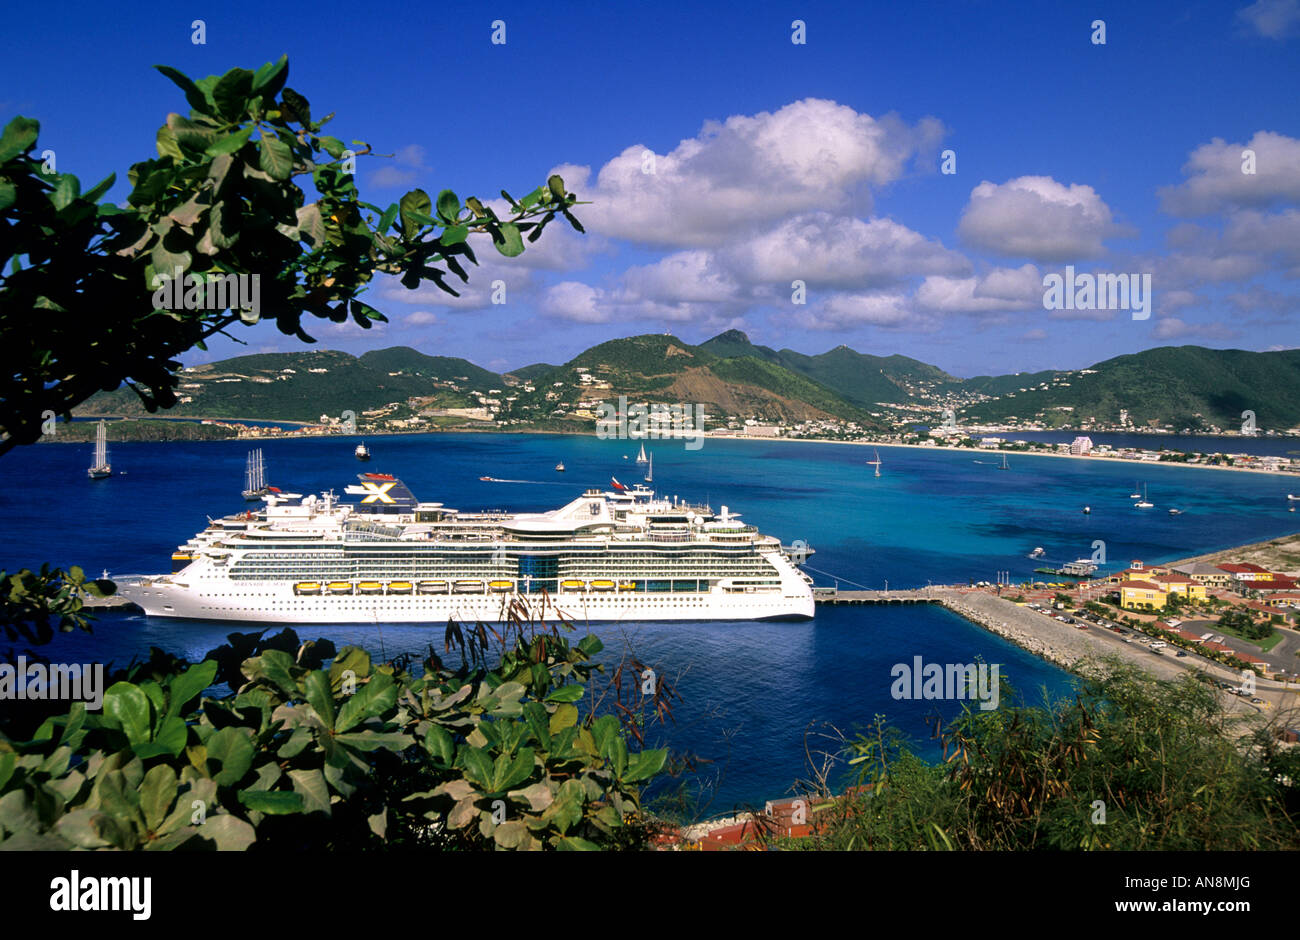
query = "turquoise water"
{"x": 750, "y": 691}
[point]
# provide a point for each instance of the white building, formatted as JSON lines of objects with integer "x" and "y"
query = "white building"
{"x": 1081, "y": 447}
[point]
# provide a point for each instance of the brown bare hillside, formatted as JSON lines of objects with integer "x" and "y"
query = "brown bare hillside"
{"x": 701, "y": 385}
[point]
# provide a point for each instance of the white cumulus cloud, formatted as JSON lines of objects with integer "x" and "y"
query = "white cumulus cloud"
{"x": 749, "y": 170}
{"x": 1036, "y": 217}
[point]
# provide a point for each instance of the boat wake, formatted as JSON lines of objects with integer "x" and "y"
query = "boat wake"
{"x": 532, "y": 482}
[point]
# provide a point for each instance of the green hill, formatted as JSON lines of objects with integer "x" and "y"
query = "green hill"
{"x": 302, "y": 386}
{"x": 410, "y": 361}
{"x": 536, "y": 370}
{"x": 857, "y": 377}
{"x": 663, "y": 368}
{"x": 1180, "y": 387}
{"x": 1185, "y": 386}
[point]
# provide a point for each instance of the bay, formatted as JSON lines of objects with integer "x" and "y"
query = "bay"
{"x": 754, "y": 697}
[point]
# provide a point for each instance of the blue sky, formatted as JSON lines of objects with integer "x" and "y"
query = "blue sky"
{"x": 773, "y": 162}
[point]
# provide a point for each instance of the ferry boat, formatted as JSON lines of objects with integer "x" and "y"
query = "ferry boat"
{"x": 377, "y": 554}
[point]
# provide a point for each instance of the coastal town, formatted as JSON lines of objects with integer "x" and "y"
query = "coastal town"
{"x": 663, "y": 423}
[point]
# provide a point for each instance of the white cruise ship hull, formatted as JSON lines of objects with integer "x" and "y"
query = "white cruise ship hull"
{"x": 279, "y": 604}
{"x": 605, "y": 556}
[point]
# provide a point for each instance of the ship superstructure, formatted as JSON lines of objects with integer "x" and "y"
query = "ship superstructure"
{"x": 379, "y": 555}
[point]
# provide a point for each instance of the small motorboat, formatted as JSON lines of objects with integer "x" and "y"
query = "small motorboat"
{"x": 559, "y": 467}
{"x": 1087, "y": 510}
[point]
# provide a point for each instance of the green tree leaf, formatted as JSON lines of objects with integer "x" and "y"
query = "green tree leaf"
{"x": 511, "y": 243}
{"x": 231, "y": 748}
{"x": 128, "y": 708}
{"x": 376, "y": 696}
{"x": 276, "y": 157}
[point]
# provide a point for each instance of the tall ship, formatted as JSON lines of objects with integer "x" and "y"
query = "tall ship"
{"x": 100, "y": 468}
{"x": 377, "y": 554}
{"x": 255, "y": 477}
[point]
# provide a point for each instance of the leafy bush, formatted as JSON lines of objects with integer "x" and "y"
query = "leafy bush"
{"x": 1169, "y": 766}
{"x": 301, "y": 756}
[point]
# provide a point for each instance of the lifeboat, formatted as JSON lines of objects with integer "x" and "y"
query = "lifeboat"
{"x": 572, "y": 585}
{"x": 369, "y": 587}
{"x": 468, "y": 587}
{"x": 602, "y": 585}
{"x": 500, "y": 585}
{"x": 432, "y": 587}
{"x": 340, "y": 587}
{"x": 627, "y": 585}
{"x": 399, "y": 587}
{"x": 307, "y": 587}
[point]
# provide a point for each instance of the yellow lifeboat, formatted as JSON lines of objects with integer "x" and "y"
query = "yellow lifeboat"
{"x": 500, "y": 585}
{"x": 572, "y": 585}
{"x": 399, "y": 587}
{"x": 340, "y": 587}
{"x": 369, "y": 587}
{"x": 602, "y": 585}
{"x": 307, "y": 587}
{"x": 627, "y": 585}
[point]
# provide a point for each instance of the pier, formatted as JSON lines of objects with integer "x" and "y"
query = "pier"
{"x": 834, "y": 596}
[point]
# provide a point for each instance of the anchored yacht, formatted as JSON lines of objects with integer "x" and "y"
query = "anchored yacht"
{"x": 378, "y": 554}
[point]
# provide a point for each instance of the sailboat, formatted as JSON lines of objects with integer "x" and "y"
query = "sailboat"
{"x": 1143, "y": 502}
{"x": 255, "y": 477}
{"x": 650, "y": 470}
{"x": 876, "y": 463}
{"x": 100, "y": 468}
{"x": 1135, "y": 495}
{"x": 1004, "y": 463}
{"x": 362, "y": 452}
{"x": 641, "y": 457}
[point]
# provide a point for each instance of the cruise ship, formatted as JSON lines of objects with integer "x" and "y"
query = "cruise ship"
{"x": 377, "y": 555}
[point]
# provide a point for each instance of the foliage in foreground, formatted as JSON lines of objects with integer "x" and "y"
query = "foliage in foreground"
{"x": 34, "y": 603}
{"x": 229, "y": 193}
{"x": 1171, "y": 769}
{"x": 354, "y": 756}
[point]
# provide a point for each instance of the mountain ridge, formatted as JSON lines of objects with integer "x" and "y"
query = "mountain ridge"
{"x": 1180, "y": 387}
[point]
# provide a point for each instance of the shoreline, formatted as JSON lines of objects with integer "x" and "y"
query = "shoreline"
{"x": 1017, "y": 453}
{"x": 673, "y": 438}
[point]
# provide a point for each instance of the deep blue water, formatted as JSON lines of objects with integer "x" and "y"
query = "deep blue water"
{"x": 750, "y": 691}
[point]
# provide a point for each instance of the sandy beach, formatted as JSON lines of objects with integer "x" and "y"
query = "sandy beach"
{"x": 1011, "y": 454}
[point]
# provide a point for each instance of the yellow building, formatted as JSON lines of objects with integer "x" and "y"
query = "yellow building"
{"x": 1140, "y": 593}
{"x": 1174, "y": 583}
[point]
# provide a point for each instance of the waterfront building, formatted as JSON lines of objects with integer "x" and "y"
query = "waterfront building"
{"x": 1207, "y": 574}
{"x": 1247, "y": 572}
{"x": 1141, "y": 593}
{"x": 1180, "y": 584}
